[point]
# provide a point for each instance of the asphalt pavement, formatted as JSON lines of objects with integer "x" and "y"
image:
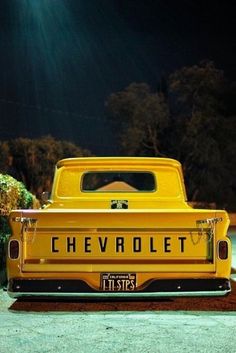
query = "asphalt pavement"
{"x": 110, "y": 331}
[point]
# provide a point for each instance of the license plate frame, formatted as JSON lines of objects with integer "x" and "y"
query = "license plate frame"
{"x": 118, "y": 282}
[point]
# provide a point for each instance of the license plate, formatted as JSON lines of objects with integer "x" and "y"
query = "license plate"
{"x": 118, "y": 282}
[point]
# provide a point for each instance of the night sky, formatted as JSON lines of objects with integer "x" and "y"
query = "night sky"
{"x": 61, "y": 59}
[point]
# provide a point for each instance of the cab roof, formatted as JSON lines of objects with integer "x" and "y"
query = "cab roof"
{"x": 118, "y": 161}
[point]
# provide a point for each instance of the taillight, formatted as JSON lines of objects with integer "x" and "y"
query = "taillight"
{"x": 14, "y": 249}
{"x": 223, "y": 249}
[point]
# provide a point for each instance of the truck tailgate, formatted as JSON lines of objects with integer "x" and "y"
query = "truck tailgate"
{"x": 105, "y": 240}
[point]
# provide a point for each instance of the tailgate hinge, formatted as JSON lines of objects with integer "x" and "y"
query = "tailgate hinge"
{"x": 27, "y": 223}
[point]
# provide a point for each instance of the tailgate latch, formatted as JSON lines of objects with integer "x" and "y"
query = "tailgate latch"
{"x": 25, "y": 220}
{"x": 210, "y": 226}
{"x": 27, "y": 223}
{"x": 209, "y": 221}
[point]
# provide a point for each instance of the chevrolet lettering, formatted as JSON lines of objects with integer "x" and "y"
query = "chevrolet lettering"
{"x": 118, "y": 244}
{"x": 118, "y": 227}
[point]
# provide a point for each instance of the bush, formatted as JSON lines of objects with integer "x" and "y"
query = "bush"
{"x": 13, "y": 195}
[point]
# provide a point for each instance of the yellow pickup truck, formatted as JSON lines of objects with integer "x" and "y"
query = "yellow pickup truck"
{"x": 118, "y": 227}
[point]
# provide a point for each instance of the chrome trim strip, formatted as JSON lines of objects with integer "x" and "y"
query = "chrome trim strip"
{"x": 130, "y": 295}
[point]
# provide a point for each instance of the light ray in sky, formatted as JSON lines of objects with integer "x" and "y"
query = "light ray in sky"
{"x": 68, "y": 58}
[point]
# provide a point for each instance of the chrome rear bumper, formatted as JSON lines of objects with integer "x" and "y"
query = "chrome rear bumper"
{"x": 157, "y": 288}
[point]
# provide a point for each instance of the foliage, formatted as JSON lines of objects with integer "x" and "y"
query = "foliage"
{"x": 33, "y": 161}
{"x": 194, "y": 122}
{"x": 13, "y": 195}
{"x": 203, "y": 147}
{"x": 143, "y": 116}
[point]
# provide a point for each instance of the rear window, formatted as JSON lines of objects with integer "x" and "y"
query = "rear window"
{"x": 118, "y": 181}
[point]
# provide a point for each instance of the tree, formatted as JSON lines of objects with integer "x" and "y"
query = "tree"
{"x": 142, "y": 116}
{"x": 198, "y": 86}
{"x": 196, "y": 125}
{"x": 33, "y": 161}
{"x": 203, "y": 150}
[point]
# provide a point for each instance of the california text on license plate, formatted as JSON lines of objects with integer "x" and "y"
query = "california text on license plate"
{"x": 116, "y": 282}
